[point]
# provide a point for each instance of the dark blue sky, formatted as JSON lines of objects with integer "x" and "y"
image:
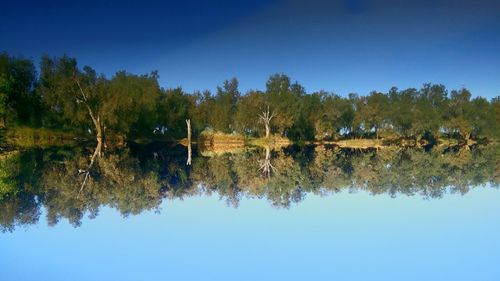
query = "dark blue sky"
{"x": 340, "y": 45}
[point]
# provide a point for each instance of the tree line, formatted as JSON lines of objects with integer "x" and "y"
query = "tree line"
{"x": 139, "y": 178}
{"x": 61, "y": 95}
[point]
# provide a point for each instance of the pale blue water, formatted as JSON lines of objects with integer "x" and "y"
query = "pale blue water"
{"x": 337, "y": 237}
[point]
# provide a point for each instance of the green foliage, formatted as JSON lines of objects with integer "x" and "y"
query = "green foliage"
{"x": 174, "y": 107}
{"x": 126, "y": 104}
{"x": 19, "y": 101}
{"x": 249, "y": 107}
{"x": 132, "y": 180}
{"x": 130, "y": 105}
{"x": 9, "y": 169}
{"x": 65, "y": 96}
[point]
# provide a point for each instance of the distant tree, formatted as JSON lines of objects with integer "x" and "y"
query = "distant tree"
{"x": 456, "y": 116}
{"x": 174, "y": 107}
{"x": 223, "y": 106}
{"x": 19, "y": 103}
{"x": 266, "y": 117}
{"x": 308, "y": 111}
{"x": 327, "y": 118}
{"x": 430, "y": 102}
{"x": 373, "y": 112}
{"x": 131, "y": 102}
{"x": 495, "y": 103}
{"x": 79, "y": 97}
{"x": 72, "y": 96}
{"x": 481, "y": 117}
{"x": 249, "y": 107}
{"x": 402, "y": 110}
{"x": 283, "y": 101}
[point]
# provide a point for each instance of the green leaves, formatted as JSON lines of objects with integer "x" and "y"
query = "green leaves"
{"x": 134, "y": 105}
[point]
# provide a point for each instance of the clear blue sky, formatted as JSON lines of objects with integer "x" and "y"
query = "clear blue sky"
{"x": 340, "y": 45}
{"x": 339, "y": 237}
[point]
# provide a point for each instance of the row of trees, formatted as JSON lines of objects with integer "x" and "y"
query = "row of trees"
{"x": 65, "y": 96}
{"x": 135, "y": 179}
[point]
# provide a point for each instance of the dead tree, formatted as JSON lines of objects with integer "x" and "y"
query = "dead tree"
{"x": 82, "y": 98}
{"x": 265, "y": 165}
{"x": 3, "y": 121}
{"x": 266, "y": 117}
{"x": 86, "y": 172}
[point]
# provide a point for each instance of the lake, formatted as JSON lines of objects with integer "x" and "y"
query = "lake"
{"x": 291, "y": 213}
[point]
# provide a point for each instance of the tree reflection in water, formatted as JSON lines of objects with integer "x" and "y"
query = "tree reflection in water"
{"x": 138, "y": 178}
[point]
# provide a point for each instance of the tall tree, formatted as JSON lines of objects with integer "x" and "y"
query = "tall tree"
{"x": 223, "y": 106}
{"x": 19, "y": 103}
{"x": 79, "y": 97}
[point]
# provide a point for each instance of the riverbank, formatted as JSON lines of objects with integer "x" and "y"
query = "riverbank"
{"x": 26, "y": 137}
{"x": 209, "y": 140}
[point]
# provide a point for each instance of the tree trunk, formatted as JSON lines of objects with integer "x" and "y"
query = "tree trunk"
{"x": 97, "y": 121}
{"x": 418, "y": 139}
{"x": 266, "y": 118}
{"x": 3, "y": 122}
{"x": 97, "y": 154}
{"x": 99, "y": 130}
{"x": 265, "y": 165}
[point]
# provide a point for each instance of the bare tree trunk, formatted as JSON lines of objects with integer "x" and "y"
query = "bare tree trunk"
{"x": 3, "y": 122}
{"x": 265, "y": 165}
{"x": 86, "y": 172}
{"x": 188, "y": 123}
{"x": 418, "y": 138}
{"x": 97, "y": 121}
{"x": 266, "y": 118}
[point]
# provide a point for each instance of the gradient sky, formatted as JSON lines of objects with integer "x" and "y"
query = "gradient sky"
{"x": 340, "y": 45}
{"x": 340, "y": 237}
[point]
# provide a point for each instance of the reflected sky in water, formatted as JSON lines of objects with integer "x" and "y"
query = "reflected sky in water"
{"x": 347, "y": 236}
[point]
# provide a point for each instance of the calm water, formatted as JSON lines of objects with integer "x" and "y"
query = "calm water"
{"x": 310, "y": 213}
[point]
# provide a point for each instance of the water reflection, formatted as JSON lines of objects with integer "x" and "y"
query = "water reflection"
{"x": 139, "y": 178}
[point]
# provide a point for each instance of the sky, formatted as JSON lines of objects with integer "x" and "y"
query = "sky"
{"x": 346, "y": 236}
{"x": 342, "y": 46}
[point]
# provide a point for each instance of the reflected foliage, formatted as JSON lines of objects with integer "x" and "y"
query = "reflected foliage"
{"x": 139, "y": 177}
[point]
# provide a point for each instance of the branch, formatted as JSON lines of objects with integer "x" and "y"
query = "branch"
{"x": 97, "y": 152}
{"x": 85, "y": 101}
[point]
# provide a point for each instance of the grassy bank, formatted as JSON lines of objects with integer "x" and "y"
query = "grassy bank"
{"x": 273, "y": 141}
{"x": 208, "y": 140}
{"x": 26, "y": 137}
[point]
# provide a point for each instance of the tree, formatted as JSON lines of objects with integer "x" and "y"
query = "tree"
{"x": 266, "y": 117}
{"x": 72, "y": 96}
{"x": 308, "y": 110}
{"x": 19, "y": 102}
{"x": 249, "y": 106}
{"x": 131, "y": 103}
{"x": 372, "y": 112}
{"x": 174, "y": 107}
{"x": 125, "y": 104}
{"x": 401, "y": 104}
{"x": 456, "y": 118}
{"x": 481, "y": 117}
{"x": 283, "y": 101}
{"x": 430, "y": 103}
{"x": 223, "y": 106}
{"x": 325, "y": 117}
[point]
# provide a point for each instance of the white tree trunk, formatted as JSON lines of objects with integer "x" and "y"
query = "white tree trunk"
{"x": 266, "y": 118}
